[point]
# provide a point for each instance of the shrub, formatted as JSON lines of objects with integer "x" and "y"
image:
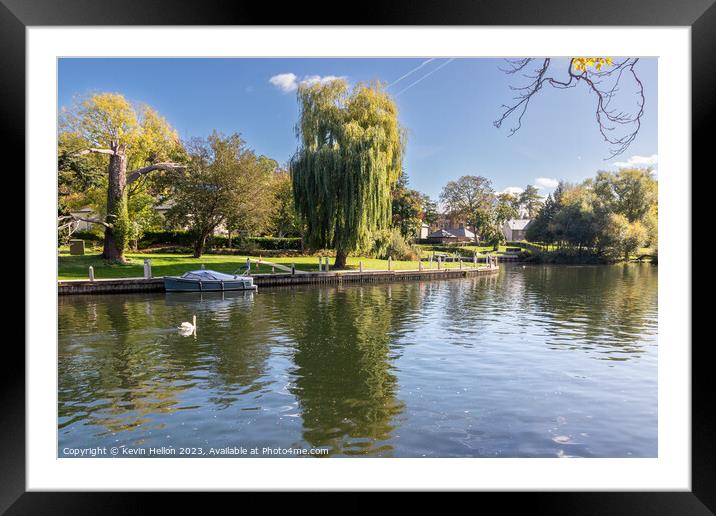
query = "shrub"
{"x": 185, "y": 239}
{"x": 87, "y": 235}
{"x": 390, "y": 242}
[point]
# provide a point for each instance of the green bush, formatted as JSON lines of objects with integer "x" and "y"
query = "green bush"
{"x": 186, "y": 239}
{"x": 87, "y": 235}
{"x": 164, "y": 237}
{"x": 452, "y": 250}
{"x": 389, "y": 242}
{"x": 524, "y": 245}
{"x": 268, "y": 243}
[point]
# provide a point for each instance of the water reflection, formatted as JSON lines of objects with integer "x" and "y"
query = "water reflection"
{"x": 344, "y": 378}
{"x": 500, "y": 366}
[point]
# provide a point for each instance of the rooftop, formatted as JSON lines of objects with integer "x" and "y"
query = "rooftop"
{"x": 518, "y": 224}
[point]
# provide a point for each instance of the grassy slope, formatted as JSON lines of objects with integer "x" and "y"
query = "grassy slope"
{"x": 76, "y": 267}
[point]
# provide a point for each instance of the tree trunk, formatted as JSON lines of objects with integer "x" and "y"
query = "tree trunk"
{"x": 199, "y": 246}
{"x": 341, "y": 257}
{"x": 115, "y": 236}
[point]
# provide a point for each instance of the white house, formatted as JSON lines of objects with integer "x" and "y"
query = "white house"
{"x": 424, "y": 230}
{"x": 88, "y": 213}
{"x": 85, "y": 213}
{"x": 515, "y": 229}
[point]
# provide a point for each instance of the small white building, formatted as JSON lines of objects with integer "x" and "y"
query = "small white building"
{"x": 85, "y": 213}
{"x": 424, "y": 230}
{"x": 515, "y": 229}
{"x": 89, "y": 213}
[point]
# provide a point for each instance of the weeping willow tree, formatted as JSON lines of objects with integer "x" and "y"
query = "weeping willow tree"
{"x": 349, "y": 159}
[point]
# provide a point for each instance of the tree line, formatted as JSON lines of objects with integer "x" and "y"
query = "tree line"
{"x": 612, "y": 215}
{"x": 344, "y": 189}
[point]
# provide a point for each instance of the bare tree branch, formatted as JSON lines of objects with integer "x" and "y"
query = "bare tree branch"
{"x": 75, "y": 218}
{"x": 95, "y": 151}
{"x": 169, "y": 167}
{"x": 608, "y": 119}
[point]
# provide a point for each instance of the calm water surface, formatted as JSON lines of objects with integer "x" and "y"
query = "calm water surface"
{"x": 540, "y": 361}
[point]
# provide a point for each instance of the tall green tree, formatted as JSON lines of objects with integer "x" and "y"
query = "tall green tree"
{"x": 631, "y": 192}
{"x": 623, "y": 237}
{"x": 531, "y": 201}
{"x": 472, "y": 199}
{"x": 541, "y": 228}
{"x": 284, "y": 220}
{"x": 224, "y": 182}
{"x": 407, "y": 209}
{"x": 126, "y": 137}
{"x": 510, "y": 199}
{"x": 348, "y": 161}
{"x": 431, "y": 214}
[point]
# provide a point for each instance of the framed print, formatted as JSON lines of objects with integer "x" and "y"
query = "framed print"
{"x": 426, "y": 252}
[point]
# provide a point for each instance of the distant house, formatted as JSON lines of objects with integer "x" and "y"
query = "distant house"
{"x": 164, "y": 207}
{"x": 515, "y": 229}
{"x": 424, "y": 231}
{"x": 85, "y": 213}
{"x": 446, "y": 236}
{"x": 88, "y": 213}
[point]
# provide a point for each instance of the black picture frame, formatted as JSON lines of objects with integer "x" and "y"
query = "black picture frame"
{"x": 16, "y": 15}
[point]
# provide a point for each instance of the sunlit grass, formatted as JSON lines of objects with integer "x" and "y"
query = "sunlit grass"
{"x": 77, "y": 267}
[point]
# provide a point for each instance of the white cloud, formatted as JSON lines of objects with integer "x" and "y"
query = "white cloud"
{"x": 638, "y": 162}
{"x": 287, "y": 82}
{"x": 284, "y": 81}
{"x": 513, "y": 190}
{"x": 546, "y": 182}
{"x": 313, "y": 79}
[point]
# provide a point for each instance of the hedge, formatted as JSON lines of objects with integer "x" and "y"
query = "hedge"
{"x": 86, "y": 235}
{"x": 525, "y": 245}
{"x": 185, "y": 239}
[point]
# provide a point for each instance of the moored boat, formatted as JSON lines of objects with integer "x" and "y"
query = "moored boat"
{"x": 206, "y": 280}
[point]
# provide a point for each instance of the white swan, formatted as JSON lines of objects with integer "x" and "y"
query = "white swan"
{"x": 187, "y": 328}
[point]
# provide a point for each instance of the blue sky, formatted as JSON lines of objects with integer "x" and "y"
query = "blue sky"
{"x": 447, "y": 106}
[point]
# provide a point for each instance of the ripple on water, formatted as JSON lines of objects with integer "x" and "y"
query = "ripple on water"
{"x": 537, "y": 362}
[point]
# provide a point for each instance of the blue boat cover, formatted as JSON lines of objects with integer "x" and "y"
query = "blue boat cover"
{"x": 208, "y": 275}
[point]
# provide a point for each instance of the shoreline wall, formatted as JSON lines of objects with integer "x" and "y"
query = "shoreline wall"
{"x": 128, "y": 285}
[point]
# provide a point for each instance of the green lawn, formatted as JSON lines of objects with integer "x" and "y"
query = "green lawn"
{"x": 76, "y": 267}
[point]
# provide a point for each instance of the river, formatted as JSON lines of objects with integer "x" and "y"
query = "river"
{"x": 537, "y": 361}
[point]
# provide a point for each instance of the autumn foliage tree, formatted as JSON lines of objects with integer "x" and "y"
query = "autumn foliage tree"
{"x": 129, "y": 141}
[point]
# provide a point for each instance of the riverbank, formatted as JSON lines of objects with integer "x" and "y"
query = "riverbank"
{"x": 77, "y": 267}
{"x": 570, "y": 258}
{"x": 129, "y": 285}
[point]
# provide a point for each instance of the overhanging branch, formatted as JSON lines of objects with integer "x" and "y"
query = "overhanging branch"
{"x": 95, "y": 151}
{"x": 75, "y": 218}
{"x": 608, "y": 119}
{"x": 168, "y": 167}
